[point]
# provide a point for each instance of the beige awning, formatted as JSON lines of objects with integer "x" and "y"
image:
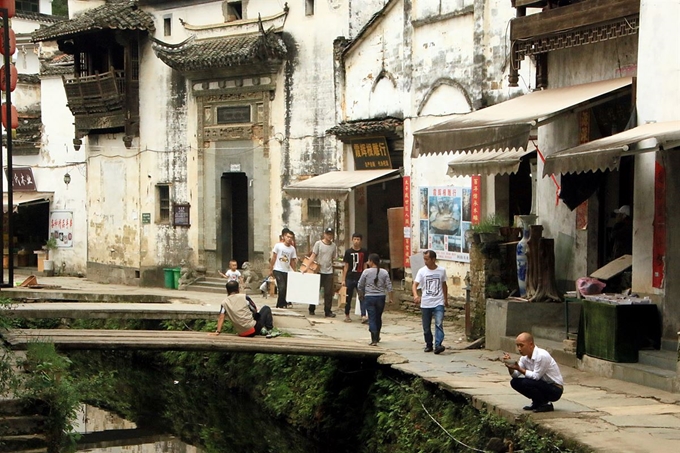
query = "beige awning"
{"x": 499, "y": 162}
{"x": 336, "y": 185}
{"x": 507, "y": 125}
{"x": 24, "y": 198}
{"x": 605, "y": 153}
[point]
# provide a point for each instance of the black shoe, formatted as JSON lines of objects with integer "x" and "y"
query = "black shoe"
{"x": 330, "y": 315}
{"x": 311, "y": 312}
{"x": 530, "y": 407}
{"x": 439, "y": 349}
{"x": 428, "y": 349}
{"x": 547, "y": 407}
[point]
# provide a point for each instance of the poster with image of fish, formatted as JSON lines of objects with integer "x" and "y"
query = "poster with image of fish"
{"x": 444, "y": 217}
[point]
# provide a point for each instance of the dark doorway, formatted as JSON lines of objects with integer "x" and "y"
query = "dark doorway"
{"x": 31, "y": 230}
{"x": 521, "y": 189}
{"x": 380, "y": 197}
{"x": 234, "y": 238}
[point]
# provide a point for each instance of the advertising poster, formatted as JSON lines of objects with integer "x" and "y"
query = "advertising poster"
{"x": 61, "y": 227}
{"x": 444, "y": 216}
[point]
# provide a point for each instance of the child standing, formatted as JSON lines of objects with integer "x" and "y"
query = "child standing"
{"x": 232, "y": 274}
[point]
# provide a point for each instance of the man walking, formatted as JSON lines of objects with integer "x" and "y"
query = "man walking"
{"x": 355, "y": 263}
{"x": 431, "y": 279}
{"x": 536, "y": 375}
{"x": 324, "y": 252}
{"x": 282, "y": 261}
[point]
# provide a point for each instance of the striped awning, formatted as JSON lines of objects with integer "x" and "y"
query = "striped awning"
{"x": 605, "y": 153}
{"x": 336, "y": 185}
{"x": 498, "y": 162}
{"x": 26, "y": 198}
{"x": 508, "y": 125}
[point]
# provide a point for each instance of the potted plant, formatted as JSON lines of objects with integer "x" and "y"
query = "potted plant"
{"x": 488, "y": 228}
{"x": 50, "y": 245}
{"x": 497, "y": 290}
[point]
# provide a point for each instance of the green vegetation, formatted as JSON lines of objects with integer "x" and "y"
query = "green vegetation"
{"x": 489, "y": 224}
{"x": 9, "y": 381}
{"x": 60, "y": 8}
{"x": 497, "y": 290}
{"x": 283, "y": 400}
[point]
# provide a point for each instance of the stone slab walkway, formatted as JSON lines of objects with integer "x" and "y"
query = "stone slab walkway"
{"x": 603, "y": 414}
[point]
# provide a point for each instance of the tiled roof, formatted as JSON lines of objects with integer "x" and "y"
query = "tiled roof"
{"x": 121, "y": 15}
{"x": 28, "y": 134}
{"x": 39, "y": 17}
{"x": 29, "y": 79}
{"x": 381, "y": 126}
{"x": 59, "y": 64}
{"x": 222, "y": 52}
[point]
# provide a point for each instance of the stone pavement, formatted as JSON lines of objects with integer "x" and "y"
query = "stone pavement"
{"x": 603, "y": 414}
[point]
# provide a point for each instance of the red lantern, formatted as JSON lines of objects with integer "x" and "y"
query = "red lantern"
{"x": 15, "y": 117}
{"x": 10, "y": 6}
{"x": 12, "y": 41}
{"x": 13, "y": 76}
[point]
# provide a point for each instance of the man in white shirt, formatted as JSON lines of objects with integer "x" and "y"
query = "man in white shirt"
{"x": 282, "y": 261}
{"x": 432, "y": 282}
{"x": 536, "y": 375}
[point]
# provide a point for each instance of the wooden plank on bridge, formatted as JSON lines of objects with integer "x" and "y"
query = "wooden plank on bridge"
{"x": 163, "y": 340}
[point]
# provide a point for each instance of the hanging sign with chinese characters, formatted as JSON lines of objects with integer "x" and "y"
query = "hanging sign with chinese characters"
{"x": 61, "y": 227}
{"x": 445, "y": 213}
{"x": 370, "y": 153}
{"x": 22, "y": 179}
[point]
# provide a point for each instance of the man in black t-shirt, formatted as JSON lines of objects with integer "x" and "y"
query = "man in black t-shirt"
{"x": 355, "y": 263}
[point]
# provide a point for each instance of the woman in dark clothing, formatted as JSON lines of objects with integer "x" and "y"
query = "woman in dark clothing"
{"x": 373, "y": 286}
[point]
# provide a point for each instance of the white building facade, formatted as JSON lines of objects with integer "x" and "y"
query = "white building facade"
{"x": 205, "y": 110}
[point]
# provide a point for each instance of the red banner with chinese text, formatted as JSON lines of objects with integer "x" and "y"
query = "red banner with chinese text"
{"x": 406, "y": 181}
{"x": 476, "y": 200}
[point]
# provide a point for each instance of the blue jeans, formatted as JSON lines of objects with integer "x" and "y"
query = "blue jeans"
{"x": 375, "y": 305}
{"x": 438, "y": 313}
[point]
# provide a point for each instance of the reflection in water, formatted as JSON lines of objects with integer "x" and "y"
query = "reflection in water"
{"x": 104, "y": 432}
{"x": 174, "y": 410}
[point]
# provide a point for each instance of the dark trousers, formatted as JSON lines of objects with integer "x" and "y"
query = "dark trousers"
{"x": 282, "y": 288}
{"x": 351, "y": 286}
{"x": 263, "y": 318}
{"x": 538, "y": 391}
{"x": 327, "y": 285}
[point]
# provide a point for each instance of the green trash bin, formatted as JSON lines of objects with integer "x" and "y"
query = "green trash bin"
{"x": 176, "y": 274}
{"x": 169, "y": 278}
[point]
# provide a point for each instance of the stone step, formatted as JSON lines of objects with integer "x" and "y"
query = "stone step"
{"x": 26, "y": 442}
{"x": 553, "y": 333}
{"x": 666, "y": 360}
{"x": 22, "y": 424}
{"x": 15, "y": 407}
{"x": 216, "y": 285}
{"x": 646, "y": 375}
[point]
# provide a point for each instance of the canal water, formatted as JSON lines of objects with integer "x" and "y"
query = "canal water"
{"x": 162, "y": 412}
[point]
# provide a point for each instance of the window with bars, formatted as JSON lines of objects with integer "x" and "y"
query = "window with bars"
{"x": 234, "y": 114}
{"x": 233, "y": 11}
{"x": 167, "y": 26}
{"x": 28, "y": 6}
{"x": 313, "y": 210}
{"x": 163, "y": 203}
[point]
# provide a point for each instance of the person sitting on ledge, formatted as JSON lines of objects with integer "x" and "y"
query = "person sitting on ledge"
{"x": 536, "y": 375}
{"x": 243, "y": 314}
